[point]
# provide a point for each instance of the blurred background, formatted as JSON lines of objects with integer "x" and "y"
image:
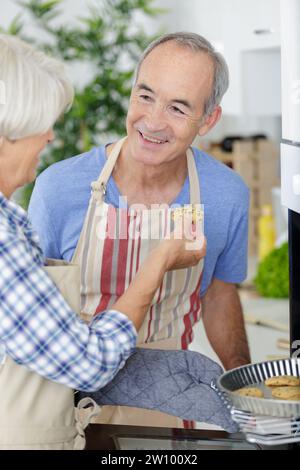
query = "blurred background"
{"x": 101, "y": 40}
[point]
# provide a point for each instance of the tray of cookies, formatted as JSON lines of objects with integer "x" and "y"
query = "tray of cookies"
{"x": 270, "y": 388}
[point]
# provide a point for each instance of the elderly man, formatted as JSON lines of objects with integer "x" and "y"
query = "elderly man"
{"x": 179, "y": 85}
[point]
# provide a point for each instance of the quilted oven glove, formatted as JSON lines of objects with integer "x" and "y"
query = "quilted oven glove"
{"x": 175, "y": 382}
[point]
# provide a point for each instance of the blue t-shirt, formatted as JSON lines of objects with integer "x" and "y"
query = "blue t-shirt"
{"x": 61, "y": 196}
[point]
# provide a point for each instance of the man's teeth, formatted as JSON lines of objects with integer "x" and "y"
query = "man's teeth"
{"x": 151, "y": 139}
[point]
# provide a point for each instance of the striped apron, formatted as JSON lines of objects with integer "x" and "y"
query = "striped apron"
{"x": 113, "y": 244}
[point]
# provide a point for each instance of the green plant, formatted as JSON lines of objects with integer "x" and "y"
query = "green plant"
{"x": 109, "y": 39}
{"x": 272, "y": 279}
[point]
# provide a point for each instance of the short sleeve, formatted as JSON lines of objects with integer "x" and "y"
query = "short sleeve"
{"x": 42, "y": 222}
{"x": 231, "y": 265}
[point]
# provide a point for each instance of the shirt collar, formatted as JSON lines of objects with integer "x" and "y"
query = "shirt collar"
{"x": 13, "y": 210}
{"x": 17, "y": 217}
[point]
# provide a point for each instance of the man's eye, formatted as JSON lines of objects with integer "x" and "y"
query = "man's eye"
{"x": 177, "y": 110}
{"x": 145, "y": 97}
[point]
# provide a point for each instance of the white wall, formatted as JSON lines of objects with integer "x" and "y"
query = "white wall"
{"x": 201, "y": 16}
{"x": 216, "y": 20}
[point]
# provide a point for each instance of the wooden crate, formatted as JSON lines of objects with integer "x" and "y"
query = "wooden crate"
{"x": 238, "y": 160}
{"x": 257, "y": 162}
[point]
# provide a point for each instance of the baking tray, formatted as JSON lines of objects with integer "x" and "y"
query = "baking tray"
{"x": 256, "y": 374}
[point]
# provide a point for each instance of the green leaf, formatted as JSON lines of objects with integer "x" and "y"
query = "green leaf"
{"x": 15, "y": 26}
{"x": 41, "y": 10}
{"x": 155, "y": 11}
{"x": 272, "y": 278}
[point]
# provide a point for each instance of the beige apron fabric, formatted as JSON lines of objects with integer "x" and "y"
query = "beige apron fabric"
{"x": 108, "y": 265}
{"x": 36, "y": 413}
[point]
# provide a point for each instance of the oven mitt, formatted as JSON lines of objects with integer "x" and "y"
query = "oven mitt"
{"x": 179, "y": 383}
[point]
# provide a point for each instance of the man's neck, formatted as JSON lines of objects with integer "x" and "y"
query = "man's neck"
{"x": 149, "y": 178}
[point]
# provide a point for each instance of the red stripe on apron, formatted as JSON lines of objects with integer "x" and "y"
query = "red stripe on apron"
{"x": 151, "y": 311}
{"x": 132, "y": 251}
{"x": 139, "y": 244}
{"x": 106, "y": 269}
{"x": 123, "y": 253}
{"x": 195, "y": 301}
{"x": 187, "y": 335}
{"x": 189, "y": 424}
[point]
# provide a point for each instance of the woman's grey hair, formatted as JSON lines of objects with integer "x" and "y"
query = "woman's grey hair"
{"x": 197, "y": 43}
{"x": 35, "y": 89}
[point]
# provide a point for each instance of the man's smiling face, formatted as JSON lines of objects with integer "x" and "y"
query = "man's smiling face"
{"x": 167, "y": 103}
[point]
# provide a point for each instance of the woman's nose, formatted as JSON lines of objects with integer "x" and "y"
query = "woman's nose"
{"x": 50, "y": 135}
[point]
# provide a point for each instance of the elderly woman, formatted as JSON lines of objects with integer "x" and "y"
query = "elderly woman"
{"x": 38, "y": 329}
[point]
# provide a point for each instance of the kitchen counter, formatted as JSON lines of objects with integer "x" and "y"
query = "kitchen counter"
{"x": 117, "y": 437}
{"x": 124, "y": 438}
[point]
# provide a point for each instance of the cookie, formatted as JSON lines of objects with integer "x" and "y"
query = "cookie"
{"x": 286, "y": 393}
{"x": 250, "y": 392}
{"x": 283, "y": 381}
{"x": 196, "y": 213}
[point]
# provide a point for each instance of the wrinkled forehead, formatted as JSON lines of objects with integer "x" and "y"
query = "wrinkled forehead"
{"x": 172, "y": 68}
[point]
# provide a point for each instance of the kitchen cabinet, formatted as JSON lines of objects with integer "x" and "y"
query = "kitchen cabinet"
{"x": 251, "y": 24}
{"x": 251, "y": 38}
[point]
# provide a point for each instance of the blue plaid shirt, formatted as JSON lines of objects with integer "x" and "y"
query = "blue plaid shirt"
{"x": 38, "y": 329}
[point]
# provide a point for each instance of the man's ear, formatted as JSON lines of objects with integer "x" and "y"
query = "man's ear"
{"x": 210, "y": 121}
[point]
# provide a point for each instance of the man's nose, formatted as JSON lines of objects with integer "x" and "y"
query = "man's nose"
{"x": 156, "y": 117}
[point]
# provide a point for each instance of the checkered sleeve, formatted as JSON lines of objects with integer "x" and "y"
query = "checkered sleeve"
{"x": 40, "y": 331}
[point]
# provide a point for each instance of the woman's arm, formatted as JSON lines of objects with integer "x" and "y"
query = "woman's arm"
{"x": 40, "y": 331}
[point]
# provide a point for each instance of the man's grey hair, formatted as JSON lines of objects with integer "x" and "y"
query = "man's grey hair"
{"x": 197, "y": 43}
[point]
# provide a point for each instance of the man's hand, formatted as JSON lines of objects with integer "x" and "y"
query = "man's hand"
{"x": 224, "y": 324}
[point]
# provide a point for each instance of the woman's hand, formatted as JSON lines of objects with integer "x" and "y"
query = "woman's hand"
{"x": 184, "y": 247}
{"x": 173, "y": 253}
{"x": 183, "y": 253}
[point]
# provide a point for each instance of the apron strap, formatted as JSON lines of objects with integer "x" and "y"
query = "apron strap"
{"x": 83, "y": 416}
{"x": 193, "y": 177}
{"x": 99, "y": 186}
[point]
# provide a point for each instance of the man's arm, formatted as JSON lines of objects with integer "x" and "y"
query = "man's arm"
{"x": 224, "y": 324}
